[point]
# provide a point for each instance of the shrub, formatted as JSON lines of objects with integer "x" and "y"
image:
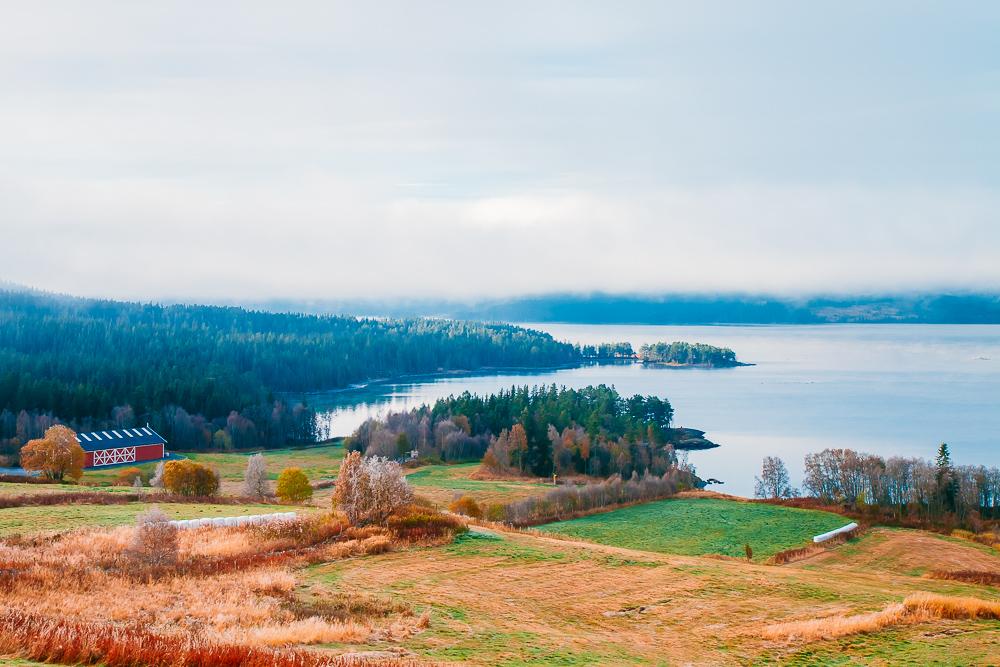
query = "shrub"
{"x": 468, "y": 506}
{"x": 413, "y": 522}
{"x": 568, "y": 501}
{"x": 255, "y": 483}
{"x": 155, "y": 540}
{"x": 496, "y": 512}
{"x": 126, "y": 476}
{"x": 370, "y": 489}
{"x": 293, "y": 486}
{"x": 188, "y": 478}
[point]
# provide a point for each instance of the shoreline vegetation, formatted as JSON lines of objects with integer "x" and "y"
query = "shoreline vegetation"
{"x": 678, "y": 354}
{"x": 538, "y": 431}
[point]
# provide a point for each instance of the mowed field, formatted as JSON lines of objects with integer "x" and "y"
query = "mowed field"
{"x": 663, "y": 583}
{"x": 514, "y": 598}
{"x": 696, "y": 526}
{"x": 518, "y": 599}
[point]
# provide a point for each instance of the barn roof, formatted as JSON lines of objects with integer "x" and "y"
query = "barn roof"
{"x": 119, "y": 437}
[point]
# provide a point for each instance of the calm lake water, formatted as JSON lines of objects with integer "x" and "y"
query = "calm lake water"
{"x": 887, "y": 389}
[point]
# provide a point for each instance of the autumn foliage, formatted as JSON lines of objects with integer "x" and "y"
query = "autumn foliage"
{"x": 370, "y": 489}
{"x": 466, "y": 505}
{"x": 293, "y": 486}
{"x": 57, "y": 455}
{"x": 188, "y": 478}
{"x": 126, "y": 476}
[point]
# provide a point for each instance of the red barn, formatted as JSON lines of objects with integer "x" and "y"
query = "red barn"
{"x": 123, "y": 445}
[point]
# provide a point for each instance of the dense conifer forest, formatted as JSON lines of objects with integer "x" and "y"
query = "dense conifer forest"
{"x": 213, "y": 377}
{"x": 538, "y": 431}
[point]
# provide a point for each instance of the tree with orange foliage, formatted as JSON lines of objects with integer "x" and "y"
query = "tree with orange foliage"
{"x": 188, "y": 478}
{"x": 466, "y": 505}
{"x": 57, "y": 454}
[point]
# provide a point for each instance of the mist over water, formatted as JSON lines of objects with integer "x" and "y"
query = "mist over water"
{"x": 886, "y": 389}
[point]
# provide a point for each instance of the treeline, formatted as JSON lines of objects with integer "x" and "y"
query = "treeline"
{"x": 608, "y": 351}
{"x": 688, "y": 354}
{"x": 254, "y": 427}
{"x": 566, "y": 502}
{"x": 190, "y": 370}
{"x": 537, "y": 431}
{"x": 905, "y": 487}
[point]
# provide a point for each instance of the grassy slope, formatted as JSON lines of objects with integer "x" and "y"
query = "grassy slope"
{"x": 441, "y": 483}
{"x": 524, "y": 599}
{"x": 695, "y": 526}
{"x": 57, "y": 518}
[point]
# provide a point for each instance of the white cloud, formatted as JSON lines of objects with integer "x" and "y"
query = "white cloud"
{"x": 335, "y": 149}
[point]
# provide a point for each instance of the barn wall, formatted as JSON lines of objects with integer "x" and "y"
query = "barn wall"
{"x": 148, "y": 452}
{"x": 152, "y": 452}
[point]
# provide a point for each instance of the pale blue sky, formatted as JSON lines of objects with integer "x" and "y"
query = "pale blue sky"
{"x": 458, "y": 149}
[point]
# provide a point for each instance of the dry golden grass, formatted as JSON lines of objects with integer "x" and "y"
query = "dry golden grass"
{"x": 984, "y": 577}
{"x": 90, "y": 578}
{"x": 900, "y": 550}
{"x": 527, "y": 597}
{"x": 305, "y": 631}
{"x": 916, "y": 608}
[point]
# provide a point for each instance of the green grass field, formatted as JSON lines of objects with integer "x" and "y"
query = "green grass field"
{"x": 441, "y": 483}
{"x": 698, "y": 526}
{"x": 18, "y": 489}
{"x": 59, "y": 518}
{"x": 317, "y": 463}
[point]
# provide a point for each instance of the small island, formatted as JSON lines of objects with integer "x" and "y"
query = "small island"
{"x": 697, "y": 355}
{"x": 678, "y": 354}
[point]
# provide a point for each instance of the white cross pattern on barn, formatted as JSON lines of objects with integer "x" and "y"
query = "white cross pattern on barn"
{"x": 107, "y": 457}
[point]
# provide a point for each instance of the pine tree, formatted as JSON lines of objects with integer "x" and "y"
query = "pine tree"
{"x": 947, "y": 485}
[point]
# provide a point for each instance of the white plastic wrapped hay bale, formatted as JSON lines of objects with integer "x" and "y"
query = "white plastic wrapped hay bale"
{"x": 833, "y": 533}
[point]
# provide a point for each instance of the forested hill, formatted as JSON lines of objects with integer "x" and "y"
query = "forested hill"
{"x": 688, "y": 309}
{"x": 89, "y": 362}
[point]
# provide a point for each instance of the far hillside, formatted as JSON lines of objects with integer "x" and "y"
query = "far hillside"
{"x": 209, "y": 377}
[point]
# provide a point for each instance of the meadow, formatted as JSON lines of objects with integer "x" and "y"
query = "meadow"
{"x": 61, "y": 518}
{"x": 502, "y": 598}
{"x": 697, "y": 526}
{"x": 443, "y": 483}
{"x": 659, "y": 583}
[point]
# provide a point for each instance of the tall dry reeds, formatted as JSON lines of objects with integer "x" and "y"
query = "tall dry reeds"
{"x": 915, "y": 608}
{"x": 59, "y": 640}
{"x": 984, "y": 577}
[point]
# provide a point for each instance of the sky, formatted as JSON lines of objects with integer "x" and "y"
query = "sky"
{"x": 256, "y": 150}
